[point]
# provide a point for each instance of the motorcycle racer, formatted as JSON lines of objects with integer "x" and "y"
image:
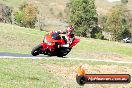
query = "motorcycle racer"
{"x": 54, "y": 44}
{"x": 69, "y": 32}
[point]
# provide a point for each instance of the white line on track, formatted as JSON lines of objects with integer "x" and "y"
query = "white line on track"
{"x": 56, "y": 58}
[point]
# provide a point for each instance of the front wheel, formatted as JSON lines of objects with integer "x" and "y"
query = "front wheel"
{"x": 36, "y": 50}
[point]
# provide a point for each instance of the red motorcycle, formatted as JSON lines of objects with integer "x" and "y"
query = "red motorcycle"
{"x": 54, "y": 45}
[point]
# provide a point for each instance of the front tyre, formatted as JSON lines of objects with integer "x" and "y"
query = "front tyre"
{"x": 36, "y": 50}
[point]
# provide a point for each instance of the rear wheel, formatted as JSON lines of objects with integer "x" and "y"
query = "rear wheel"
{"x": 36, "y": 50}
{"x": 63, "y": 52}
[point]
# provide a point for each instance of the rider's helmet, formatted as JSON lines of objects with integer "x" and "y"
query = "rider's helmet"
{"x": 70, "y": 30}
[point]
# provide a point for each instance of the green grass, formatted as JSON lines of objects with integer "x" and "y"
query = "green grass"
{"x": 23, "y": 74}
{"x": 28, "y": 73}
{"x": 18, "y": 39}
{"x": 103, "y": 47}
{"x": 71, "y": 63}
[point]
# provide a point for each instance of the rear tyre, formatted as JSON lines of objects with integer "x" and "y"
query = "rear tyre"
{"x": 63, "y": 52}
{"x": 36, "y": 50}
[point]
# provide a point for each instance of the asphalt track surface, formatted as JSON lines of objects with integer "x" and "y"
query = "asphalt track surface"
{"x": 15, "y": 54}
{"x": 29, "y": 56}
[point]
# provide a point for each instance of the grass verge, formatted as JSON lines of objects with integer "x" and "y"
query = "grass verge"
{"x": 46, "y": 73}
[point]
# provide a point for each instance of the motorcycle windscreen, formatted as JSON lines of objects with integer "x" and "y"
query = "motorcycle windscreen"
{"x": 56, "y": 36}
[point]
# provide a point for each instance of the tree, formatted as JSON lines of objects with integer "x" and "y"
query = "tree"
{"x": 19, "y": 18}
{"x": 116, "y": 23}
{"x": 82, "y": 15}
{"x": 102, "y": 20}
{"x": 124, "y": 1}
{"x": 26, "y": 16}
{"x": 30, "y": 15}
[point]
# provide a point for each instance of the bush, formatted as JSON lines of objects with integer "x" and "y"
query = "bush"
{"x": 19, "y": 18}
{"x": 97, "y": 33}
{"x": 26, "y": 16}
{"x": 99, "y": 36}
{"x": 30, "y": 15}
{"x": 5, "y": 14}
{"x": 124, "y": 1}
